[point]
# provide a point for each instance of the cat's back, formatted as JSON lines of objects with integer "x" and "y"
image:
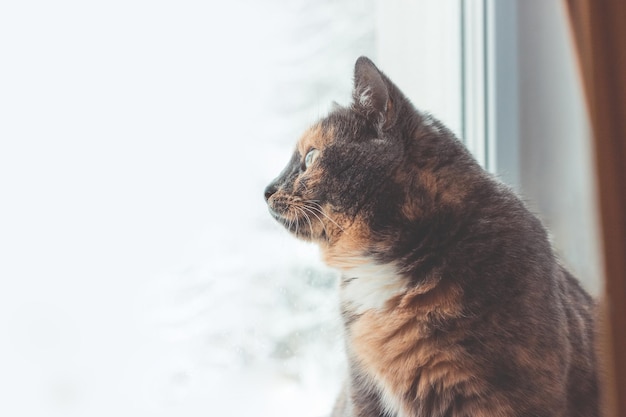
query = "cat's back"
{"x": 533, "y": 326}
{"x": 582, "y": 312}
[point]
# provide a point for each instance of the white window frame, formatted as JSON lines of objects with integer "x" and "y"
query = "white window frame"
{"x": 490, "y": 85}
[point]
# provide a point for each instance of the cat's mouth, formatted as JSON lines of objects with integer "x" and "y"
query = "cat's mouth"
{"x": 298, "y": 226}
{"x": 302, "y": 227}
{"x": 304, "y": 220}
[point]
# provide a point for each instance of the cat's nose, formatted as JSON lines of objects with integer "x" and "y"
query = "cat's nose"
{"x": 270, "y": 190}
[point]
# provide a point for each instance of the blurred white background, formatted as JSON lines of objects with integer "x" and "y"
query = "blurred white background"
{"x": 140, "y": 273}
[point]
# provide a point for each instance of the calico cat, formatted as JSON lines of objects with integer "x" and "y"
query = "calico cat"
{"x": 452, "y": 299}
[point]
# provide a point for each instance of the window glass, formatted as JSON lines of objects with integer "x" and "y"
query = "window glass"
{"x": 419, "y": 46}
{"x": 141, "y": 272}
{"x": 555, "y": 153}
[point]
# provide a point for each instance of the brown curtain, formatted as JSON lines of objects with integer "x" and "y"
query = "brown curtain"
{"x": 599, "y": 29}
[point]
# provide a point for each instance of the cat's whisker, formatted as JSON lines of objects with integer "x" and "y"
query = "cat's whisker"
{"x": 308, "y": 219}
{"x": 297, "y": 224}
{"x": 309, "y": 210}
{"x": 315, "y": 210}
{"x": 297, "y": 219}
{"x": 290, "y": 221}
{"x": 320, "y": 210}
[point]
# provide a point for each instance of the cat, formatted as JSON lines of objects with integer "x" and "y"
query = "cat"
{"x": 452, "y": 299}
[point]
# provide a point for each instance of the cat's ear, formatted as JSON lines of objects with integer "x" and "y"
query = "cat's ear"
{"x": 371, "y": 93}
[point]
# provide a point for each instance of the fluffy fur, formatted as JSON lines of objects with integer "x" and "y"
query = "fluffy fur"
{"x": 453, "y": 301}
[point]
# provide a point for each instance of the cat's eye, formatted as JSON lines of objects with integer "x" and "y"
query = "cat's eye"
{"x": 310, "y": 158}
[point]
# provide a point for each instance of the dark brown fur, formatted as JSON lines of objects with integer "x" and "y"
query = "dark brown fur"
{"x": 453, "y": 301}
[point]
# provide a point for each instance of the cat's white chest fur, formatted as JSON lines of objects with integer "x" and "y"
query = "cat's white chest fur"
{"x": 368, "y": 285}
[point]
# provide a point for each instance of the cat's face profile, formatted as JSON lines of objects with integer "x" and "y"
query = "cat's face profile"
{"x": 345, "y": 186}
{"x": 337, "y": 165}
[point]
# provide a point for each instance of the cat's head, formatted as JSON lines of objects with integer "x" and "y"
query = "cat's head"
{"x": 358, "y": 175}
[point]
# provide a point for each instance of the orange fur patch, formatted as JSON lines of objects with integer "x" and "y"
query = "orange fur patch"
{"x": 444, "y": 193}
{"x": 314, "y": 138}
{"x": 396, "y": 345}
{"x": 347, "y": 249}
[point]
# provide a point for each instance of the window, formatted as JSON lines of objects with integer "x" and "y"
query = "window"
{"x": 514, "y": 98}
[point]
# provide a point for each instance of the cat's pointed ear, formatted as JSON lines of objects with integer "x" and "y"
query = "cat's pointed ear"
{"x": 371, "y": 94}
